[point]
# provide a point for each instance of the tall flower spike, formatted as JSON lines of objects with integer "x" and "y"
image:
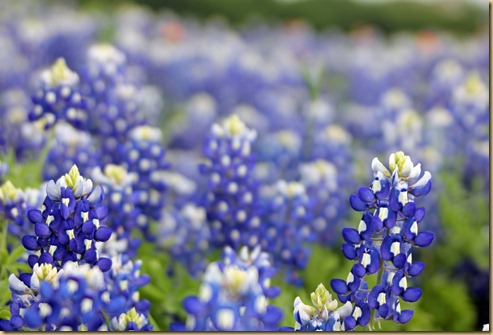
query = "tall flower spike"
{"x": 288, "y": 229}
{"x": 383, "y": 242}
{"x": 58, "y": 97}
{"x": 145, "y": 157}
{"x": 232, "y": 189}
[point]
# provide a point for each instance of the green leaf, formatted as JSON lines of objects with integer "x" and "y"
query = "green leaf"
{"x": 15, "y": 254}
{"x": 5, "y": 313}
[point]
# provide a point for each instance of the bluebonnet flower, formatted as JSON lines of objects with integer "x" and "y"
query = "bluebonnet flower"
{"x": 124, "y": 281}
{"x": 383, "y": 242}
{"x": 145, "y": 157}
{"x": 121, "y": 201}
{"x": 323, "y": 315}
{"x": 185, "y": 234}
{"x": 14, "y": 205}
{"x": 69, "y": 225}
{"x": 112, "y": 101}
{"x": 288, "y": 229}
{"x": 320, "y": 179}
{"x": 72, "y": 298}
{"x": 232, "y": 189}
{"x": 70, "y": 147}
{"x": 469, "y": 106}
{"x": 18, "y": 134}
{"x": 58, "y": 97}
{"x": 326, "y": 174}
{"x": 232, "y": 297}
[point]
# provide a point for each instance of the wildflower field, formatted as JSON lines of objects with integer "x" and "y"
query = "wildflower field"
{"x": 161, "y": 172}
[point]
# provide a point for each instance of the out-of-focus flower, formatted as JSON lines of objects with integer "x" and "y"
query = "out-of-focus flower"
{"x": 231, "y": 197}
{"x": 232, "y": 298}
{"x": 58, "y": 97}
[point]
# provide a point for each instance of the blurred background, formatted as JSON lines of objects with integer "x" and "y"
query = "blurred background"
{"x": 365, "y": 77}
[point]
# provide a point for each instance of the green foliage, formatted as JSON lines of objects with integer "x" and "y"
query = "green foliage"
{"x": 448, "y": 303}
{"x": 465, "y": 222}
{"x": 165, "y": 293}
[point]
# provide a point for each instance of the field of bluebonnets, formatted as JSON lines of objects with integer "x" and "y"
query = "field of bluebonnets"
{"x": 160, "y": 172}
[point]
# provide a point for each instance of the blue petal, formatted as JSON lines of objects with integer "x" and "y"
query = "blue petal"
{"x": 349, "y": 323}
{"x": 88, "y": 227}
{"x": 412, "y": 294}
{"x": 373, "y": 295}
{"x": 365, "y": 315}
{"x": 351, "y": 235}
{"x": 104, "y": 264}
{"x": 424, "y": 239}
{"x": 356, "y": 203}
{"x": 420, "y": 214}
{"x": 272, "y": 292}
{"x": 385, "y": 248}
{"x": 421, "y": 191}
{"x": 348, "y": 251}
{"x": 272, "y": 315}
{"x": 31, "y": 260}
{"x": 103, "y": 234}
{"x": 42, "y": 229}
{"x": 32, "y": 319}
{"x": 101, "y": 212}
{"x": 193, "y": 305}
{"x": 339, "y": 286}
{"x": 366, "y": 194}
{"x": 376, "y": 224}
{"x": 30, "y": 242}
{"x": 375, "y": 262}
{"x": 116, "y": 305}
{"x": 399, "y": 261}
{"x": 90, "y": 256}
{"x": 391, "y": 219}
{"x": 46, "y": 257}
{"x": 35, "y": 216}
{"x": 394, "y": 203}
{"x": 409, "y": 209}
{"x": 358, "y": 270}
{"x": 383, "y": 310}
{"x": 46, "y": 290}
{"x": 405, "y": 316}
{"x": 416, "y": 268}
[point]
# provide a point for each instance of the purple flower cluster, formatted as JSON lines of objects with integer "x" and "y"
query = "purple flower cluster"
{"x": 384, "y": 241}
{"x": 69, "y": 226}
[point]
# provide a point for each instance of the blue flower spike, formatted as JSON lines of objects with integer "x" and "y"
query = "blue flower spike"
{"x": 389, "y": 229}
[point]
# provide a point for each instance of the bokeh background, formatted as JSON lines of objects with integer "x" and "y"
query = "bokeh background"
{"x": 366, "y": 78}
